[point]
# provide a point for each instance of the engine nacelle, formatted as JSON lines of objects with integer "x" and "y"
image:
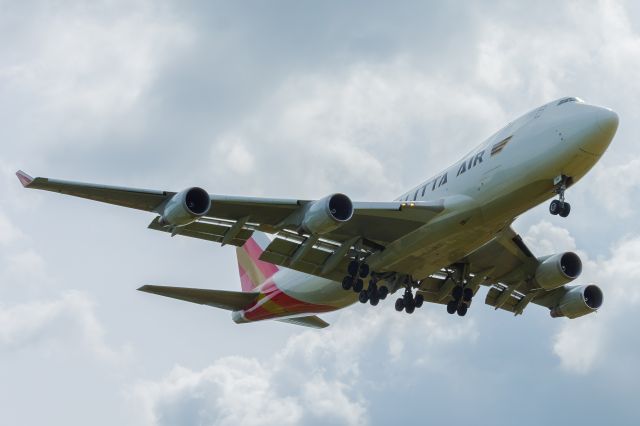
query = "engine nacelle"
{"x": 327, "y": 214}
{"x": 579, "y": 301}
{"x": 558, "y": 270}
{"x": 186, "y": 207}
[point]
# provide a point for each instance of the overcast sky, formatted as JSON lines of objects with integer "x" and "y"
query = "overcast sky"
{"x": 298, "y": 99}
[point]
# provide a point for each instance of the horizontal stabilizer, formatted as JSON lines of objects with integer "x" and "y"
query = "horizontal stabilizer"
{"x": 229, "y": 300}
{"x": 312, "y": 321}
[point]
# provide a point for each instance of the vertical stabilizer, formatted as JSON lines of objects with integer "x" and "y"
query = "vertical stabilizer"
{"x": 254, "y": 271}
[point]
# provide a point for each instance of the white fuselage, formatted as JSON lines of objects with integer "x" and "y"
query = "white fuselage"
{"x": 503, "y": 177}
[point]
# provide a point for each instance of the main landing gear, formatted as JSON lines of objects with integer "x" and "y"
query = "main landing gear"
{"x": 461, "y": 295}
{"x": 560, "y": 207}
{"x": 357, "y": 271}
{"x": 408, "y": 302}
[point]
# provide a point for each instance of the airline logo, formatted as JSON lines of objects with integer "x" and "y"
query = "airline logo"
{"x": 500, "y": 146}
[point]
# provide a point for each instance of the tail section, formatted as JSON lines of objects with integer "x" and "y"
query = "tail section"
{"x": 254, "y": 271}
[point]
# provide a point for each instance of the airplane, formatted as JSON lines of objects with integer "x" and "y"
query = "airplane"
{"x": 439, "y": 242}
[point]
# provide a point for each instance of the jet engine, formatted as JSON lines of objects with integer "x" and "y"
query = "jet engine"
{"x": 185, "y": 207}
{"x": 579, "y": 301}
{"x": 327, "y": 214}
{"x": 559, "y": 269}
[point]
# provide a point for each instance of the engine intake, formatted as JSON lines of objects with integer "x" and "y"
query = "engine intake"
{"x": 558, "y": 270}
{"x": 326, "y": 214}
{"x": 579, "y": 301}
{"x": 186, "y": 207}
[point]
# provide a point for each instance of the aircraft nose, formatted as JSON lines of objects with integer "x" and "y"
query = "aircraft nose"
{"x": 601, "y": 125}
{"x": 608, "y": 122}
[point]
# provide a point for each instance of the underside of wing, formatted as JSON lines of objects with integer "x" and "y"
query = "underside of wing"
{"x": 313, "y": 236}
{"x": 312, "y": 321}
{"x": 142, "y": 199}
{"x": 518, "y": 278}
{"x": 229, "y": 300}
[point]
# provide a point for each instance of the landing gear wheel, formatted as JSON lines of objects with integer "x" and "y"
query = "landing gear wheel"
{"x": 400, "y": 304}
{"x": 462, "y": 309}
{"x": 374, "y": 300}
{"x": 357, "y": 285}
{"x": 452, "y": 306}
{"x": 565, "y": 210}
{"x": 383, "y": 291}
{"x": 347, "y": 282}
{"x": 554, "y": 207}
{"x": 467, "y": 295}
{"x": 456, "y": 293}
{"x": 364, "y": 270}
{"x": 419, "y": 300}
{"x": 363, "y": 297}
{"x": 353, "y": 267}
{"x": 410, "y": 307}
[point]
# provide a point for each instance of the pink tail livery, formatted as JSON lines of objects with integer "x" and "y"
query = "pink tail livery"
{"x": 254, "y": 271}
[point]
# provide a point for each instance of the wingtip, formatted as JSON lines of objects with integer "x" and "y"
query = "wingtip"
{"x": 143, "y": 288}
{"x": 24, "y": 178}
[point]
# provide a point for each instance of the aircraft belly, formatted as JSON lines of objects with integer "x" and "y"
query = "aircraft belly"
{"x": 434, "y": 256}
{"x": 291, "y": 293}
{"x": 316, "y": 290}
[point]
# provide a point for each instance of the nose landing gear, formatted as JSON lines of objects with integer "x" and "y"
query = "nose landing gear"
{"x": 560, "y": 207}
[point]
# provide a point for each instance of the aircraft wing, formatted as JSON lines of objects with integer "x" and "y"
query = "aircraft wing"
{"x": 509, "y": 267}
{"x": 232, "y": 219}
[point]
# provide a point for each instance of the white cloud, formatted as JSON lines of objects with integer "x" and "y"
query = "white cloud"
{"x": 8, "y": 231}
{"x": 582, "y": 343}
{"x": 579, "y": 344}
{"x": 232, "y": 391}
{"x": 54, "y": 324}
{"x": 82, "y": 66}
{"x": 330, "y": 400}
{"x": 349, "y": 131}
{"x": 315, "y": 378}
{"x": 617, "y": 187}
{"x": 544, "y": 238}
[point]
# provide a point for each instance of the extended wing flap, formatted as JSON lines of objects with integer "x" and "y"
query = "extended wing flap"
{"x": 229, "y": 300}
{"x": 205, "y": 230}
{"x": 289, "y": 252}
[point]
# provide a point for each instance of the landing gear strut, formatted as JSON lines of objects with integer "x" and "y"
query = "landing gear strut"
{"x": 560, "y": 207}
{"x": 408, "y": 302}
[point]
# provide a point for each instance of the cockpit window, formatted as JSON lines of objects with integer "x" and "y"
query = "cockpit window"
{"x": 565, "y": 100}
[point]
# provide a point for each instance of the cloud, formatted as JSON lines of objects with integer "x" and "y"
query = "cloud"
{"x": 544, "y": 238}
{"x": 233, "y": 391}
{"x": 314, "y": 379}
{"x": 54, "y": 324}
{"x": 348, "y": 131}
{"x": 9, "y": 233}
{"x": 80, "y": 67}
{"x": 581, "y": 344}
{"x": 616, "y": 187}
